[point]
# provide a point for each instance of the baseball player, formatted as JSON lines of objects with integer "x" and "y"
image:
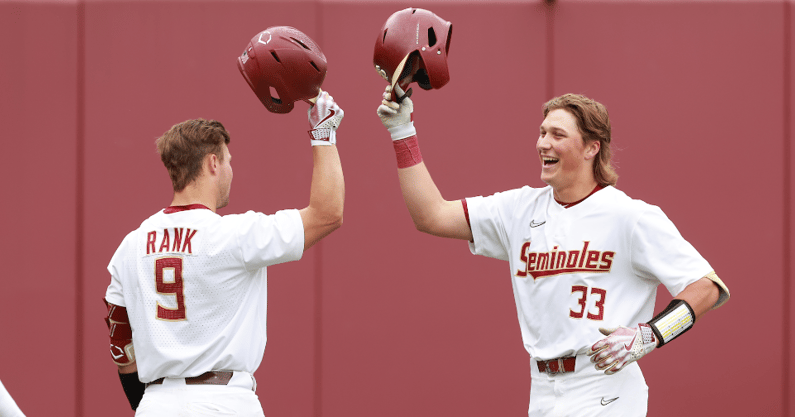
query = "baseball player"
{"x": 187, "y": 299}
{"x": 8, "y": 407}
{"x": 585, "y": 259}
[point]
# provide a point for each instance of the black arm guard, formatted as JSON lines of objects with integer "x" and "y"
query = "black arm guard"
{"x": 676, "y": 319}
{"x": 133, "y": 388}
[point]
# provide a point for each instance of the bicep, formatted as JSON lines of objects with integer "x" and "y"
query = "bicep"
{"x": 317, "y": 225}
{"x": 452, "y": 221}
{"x": 702, "y": 295}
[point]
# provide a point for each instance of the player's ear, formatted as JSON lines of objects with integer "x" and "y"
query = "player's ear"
{"x": 212, "y": 163}
{"x": 592, "y": 149}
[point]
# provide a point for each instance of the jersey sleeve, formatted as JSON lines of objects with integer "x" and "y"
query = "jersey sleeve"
{"x": 114, "y": 294}
{"x": 267, "y": 240}
{"x": 490, "y": 218}
{"x": 659, "y": 252}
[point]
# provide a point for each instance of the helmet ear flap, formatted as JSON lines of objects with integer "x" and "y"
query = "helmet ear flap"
{"x": 412, "y": 46}
{"x": 421, "y": 77}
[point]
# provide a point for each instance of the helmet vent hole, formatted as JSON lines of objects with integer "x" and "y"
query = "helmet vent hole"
{"x": 275, "y": 95}
{"x": 300, "y": 43}
{"x": 312, "y": 63}
{"x": 384, "y": 40}
{"x": 431, "y": 36}
{"x": 276, "y": 57}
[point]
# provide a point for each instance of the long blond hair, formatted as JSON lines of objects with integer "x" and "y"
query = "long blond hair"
{"x": 594, "y": 124}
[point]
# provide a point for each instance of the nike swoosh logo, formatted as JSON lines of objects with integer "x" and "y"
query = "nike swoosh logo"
{"x": 606, "y": 402}
{"x": 326, "y": 118}
{"x": 631, "y": 342}
{"x": 534, "y": 224}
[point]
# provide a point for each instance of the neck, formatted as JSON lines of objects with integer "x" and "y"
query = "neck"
{"x": 195, "y": 193}
{"x": 574, "y": 192}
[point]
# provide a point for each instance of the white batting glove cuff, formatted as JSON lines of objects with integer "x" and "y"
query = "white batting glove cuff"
{"x": 403, "y": 131}
{"x": 622, "y": 346}
{"x": 323, "y": 137}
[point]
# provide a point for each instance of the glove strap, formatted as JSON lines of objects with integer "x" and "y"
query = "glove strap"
{"x": 407, "y": 151}
{"x": 323, "y": 137}
{"x": 676, "y": 319}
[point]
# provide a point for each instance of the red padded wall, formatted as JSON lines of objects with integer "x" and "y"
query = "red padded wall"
{"x": 694, "y": 91}
{"x": 379, "y": 318}
{"x": 38, "y": 225}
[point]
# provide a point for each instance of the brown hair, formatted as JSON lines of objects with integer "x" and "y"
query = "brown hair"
{"x": 183, "y": 148}
{"x": 594, "y": 124}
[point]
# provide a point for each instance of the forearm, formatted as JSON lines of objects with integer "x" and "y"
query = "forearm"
{"x": 701, "y": 296}
{"x": 128, "y": 369}
{"x": 326, "y": 195}
{"x": 327, "y": 192}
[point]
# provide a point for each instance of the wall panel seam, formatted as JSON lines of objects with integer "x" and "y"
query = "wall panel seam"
{"x": 787, "y": 218}
{"x": 79, "y": 207}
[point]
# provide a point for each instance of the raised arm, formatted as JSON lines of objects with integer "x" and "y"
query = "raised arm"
{"x": 431, "y": 213}
{"x": 327, "y": 191}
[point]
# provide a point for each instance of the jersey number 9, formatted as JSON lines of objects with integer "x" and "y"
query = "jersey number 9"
{"x": 173, "y": 287}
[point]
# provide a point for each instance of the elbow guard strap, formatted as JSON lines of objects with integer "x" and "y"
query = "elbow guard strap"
{"x": 121, "y": 346}
{"x": 676, "y": 319}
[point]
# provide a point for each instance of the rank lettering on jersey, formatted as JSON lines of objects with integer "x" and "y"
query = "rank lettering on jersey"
{"x": 558, "y": 261}
{"x": 162, "y": 241}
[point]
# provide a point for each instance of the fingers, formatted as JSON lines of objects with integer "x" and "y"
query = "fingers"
{"x": 607, "y": 332}
{"x": 386, "y": 111}
{"x": 399, "y": 90}
{"x": 388, "y": 93}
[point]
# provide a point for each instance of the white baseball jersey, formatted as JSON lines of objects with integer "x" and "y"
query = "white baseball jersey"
{"x": 595, "y": 264}
{"x": 195, "y": 287}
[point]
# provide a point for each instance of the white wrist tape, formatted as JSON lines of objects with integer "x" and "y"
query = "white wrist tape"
{"x": 676, "y": 319}
{"x": 403, "y": 131}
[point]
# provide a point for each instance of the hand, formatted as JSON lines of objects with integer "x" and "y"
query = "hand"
{"x": 622, "y": 346}
{"x": 324, "y": 117}
{"x": 397, "y": 117}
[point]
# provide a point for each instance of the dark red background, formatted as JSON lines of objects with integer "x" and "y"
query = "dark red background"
{"x": 380, "y": 319}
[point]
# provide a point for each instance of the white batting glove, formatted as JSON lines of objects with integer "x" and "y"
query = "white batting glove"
{"x": 622, "y": 346}
{"x": 325, "y": 117}
{"x": 396, "y": 117}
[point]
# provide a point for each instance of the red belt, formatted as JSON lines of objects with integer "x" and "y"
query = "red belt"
{"x": 557, "y": 365}
{"x": 207, "y": 378}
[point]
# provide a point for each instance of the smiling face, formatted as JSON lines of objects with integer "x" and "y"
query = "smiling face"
{"x": 566, "y": 160}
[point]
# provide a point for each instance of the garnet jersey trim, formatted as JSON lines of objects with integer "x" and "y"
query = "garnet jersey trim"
{"x": 177, "y": 209}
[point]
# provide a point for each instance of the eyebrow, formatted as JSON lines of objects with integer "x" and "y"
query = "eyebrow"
{"x": 554, "y": 129}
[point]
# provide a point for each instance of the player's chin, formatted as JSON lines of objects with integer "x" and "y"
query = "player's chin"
{"x": 547, "y": 176}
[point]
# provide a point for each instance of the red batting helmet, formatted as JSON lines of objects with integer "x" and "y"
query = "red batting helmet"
{"x": 413, "y": 46}
{"x": 283, "y": 65}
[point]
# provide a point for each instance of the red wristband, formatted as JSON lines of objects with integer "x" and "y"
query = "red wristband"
{"x": 407, "y": 151}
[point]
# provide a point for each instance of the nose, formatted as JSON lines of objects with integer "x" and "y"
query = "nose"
{"x": 543, "y": 143}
